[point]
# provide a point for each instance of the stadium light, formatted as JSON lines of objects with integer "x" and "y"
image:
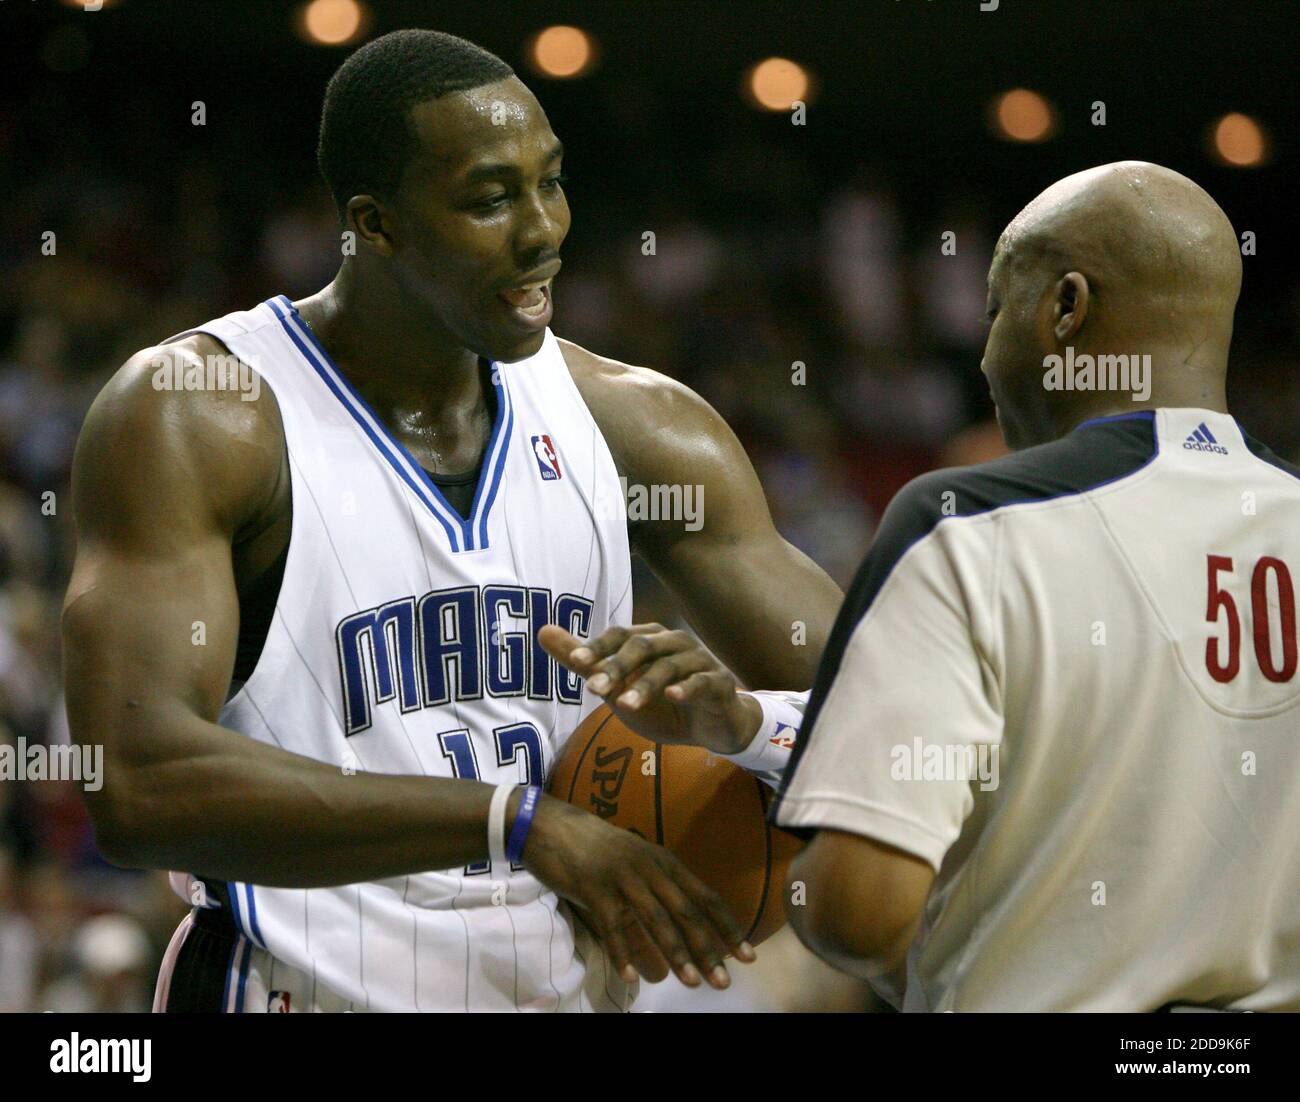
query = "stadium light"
{"x": 332, "y": 22}
{"x": 1022, "y": 116}
{"x": 1238, "y": 141}
{"x": 562, "y": 52}
{"x": 777, "y": 83}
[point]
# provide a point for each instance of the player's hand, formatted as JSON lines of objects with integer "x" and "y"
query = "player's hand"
{"x": 662, "y": 684}
{"x": 647, "y": 908}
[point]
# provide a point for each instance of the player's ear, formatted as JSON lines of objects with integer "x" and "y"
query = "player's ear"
{"x": 1072, "y": 299}
{"x": 370, "y": 220}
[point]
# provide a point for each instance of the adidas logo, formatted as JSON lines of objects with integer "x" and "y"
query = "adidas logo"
{"x": 1202, "y": 440}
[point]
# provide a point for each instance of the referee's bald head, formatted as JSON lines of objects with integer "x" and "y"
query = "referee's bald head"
{"x": 1127, "y": 259}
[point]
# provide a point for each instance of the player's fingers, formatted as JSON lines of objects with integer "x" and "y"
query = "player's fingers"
{"x": 662, "y": 928}
{"x": 707, "y": 683}
{"x": 640, "y": 647}
{"x": 562, "y": 646}
{"x": 730, "y": 932}
{"x": 707, "y": 943}
{"x": 630, "y": 948}
{"x": 579, "y": 655}
{"x": 612, "y": 639}
{"x": 614, "y": 922}
{"x": 646, "y": 957}
{"x": 653, "y": 679}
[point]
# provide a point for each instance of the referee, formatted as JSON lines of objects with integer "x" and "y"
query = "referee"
{"x": 1051, "y": 760}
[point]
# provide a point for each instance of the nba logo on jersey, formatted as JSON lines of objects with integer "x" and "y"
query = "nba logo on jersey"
{"x": 278, "y": 1002}
{"x": 785, "y": 736}
{"x": 547, "y": 461}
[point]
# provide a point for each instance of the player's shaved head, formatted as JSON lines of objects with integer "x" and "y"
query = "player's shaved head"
{"x": 1124, "y": 259}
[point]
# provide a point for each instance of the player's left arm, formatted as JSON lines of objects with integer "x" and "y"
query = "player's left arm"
{"x": 762, "y": 605}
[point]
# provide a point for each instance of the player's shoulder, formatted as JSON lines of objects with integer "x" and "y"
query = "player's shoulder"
{"x": 169, "y": 412}
{"x": 188, "y": 385}
{"x": 635, "y": 406}
{"x": 604, "y": 381}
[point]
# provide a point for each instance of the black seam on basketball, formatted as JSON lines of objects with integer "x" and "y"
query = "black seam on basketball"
{"x": 577, "y": 769}
{"x": 767, "y": 866}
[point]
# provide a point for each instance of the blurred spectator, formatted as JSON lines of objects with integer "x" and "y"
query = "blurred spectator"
{"x": 951, "y": 281}
{"x": 112, "y": 970}
{"x": 861, "y": 263}
{"x": 40, "y": 413}
{"x": 19, "y": 946}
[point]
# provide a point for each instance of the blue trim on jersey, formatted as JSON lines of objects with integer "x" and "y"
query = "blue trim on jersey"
{"x": 253, "y": 928}
{"x": 244, "y": 961}
{"x": 501, "y": 442}
{"x": 1139, "y": 415}
{"x": 232, "y": 890}
{"x": 463, "y": 534}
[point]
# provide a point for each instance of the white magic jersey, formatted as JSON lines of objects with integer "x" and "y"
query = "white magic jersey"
{"x": 404, "y": 641}
{"x": 1068, "y": 680}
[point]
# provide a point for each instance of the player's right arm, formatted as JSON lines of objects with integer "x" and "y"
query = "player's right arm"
{"x": 164, "y": 483}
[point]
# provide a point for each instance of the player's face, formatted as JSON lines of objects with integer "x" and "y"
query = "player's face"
{"x": 1013, "y": 356}
{"x": 481, "y": 216}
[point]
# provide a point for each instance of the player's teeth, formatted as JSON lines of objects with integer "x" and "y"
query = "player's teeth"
{"x": 527, "y": 299}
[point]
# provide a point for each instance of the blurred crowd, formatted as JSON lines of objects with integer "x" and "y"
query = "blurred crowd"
{"x": 838, "y": 340}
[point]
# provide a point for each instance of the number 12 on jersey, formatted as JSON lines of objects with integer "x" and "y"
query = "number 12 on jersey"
{"x": 511, "y": 741}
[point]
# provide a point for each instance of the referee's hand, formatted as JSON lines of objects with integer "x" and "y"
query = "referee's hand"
{"x": 662, "y": 684}
{"x": 650, "y": 911}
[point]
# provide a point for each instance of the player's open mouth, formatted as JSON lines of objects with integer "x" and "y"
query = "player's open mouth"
{"x": 530, "y": 305}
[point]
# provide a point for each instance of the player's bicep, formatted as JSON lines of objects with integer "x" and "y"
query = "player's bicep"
{"x": 151, "y": 614}
{"x": 779, "y": 604}
{"x": 142, "y": 631}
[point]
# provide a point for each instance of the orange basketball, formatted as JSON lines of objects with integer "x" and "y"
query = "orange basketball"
{"x": 708, "y": 812}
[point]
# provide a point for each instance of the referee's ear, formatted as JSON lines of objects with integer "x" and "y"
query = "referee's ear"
{"x": 1073, "y": 297}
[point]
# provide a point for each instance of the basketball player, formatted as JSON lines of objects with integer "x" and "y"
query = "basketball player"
{"x": 1051, "y": 760}
{"x": 303, "y": 616}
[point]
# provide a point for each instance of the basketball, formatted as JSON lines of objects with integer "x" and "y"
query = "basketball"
{"x": 707, "y": 812}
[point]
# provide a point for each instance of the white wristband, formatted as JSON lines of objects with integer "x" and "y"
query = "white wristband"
{"x": 769, "y": 751}
{"x": 497, "y": 824}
